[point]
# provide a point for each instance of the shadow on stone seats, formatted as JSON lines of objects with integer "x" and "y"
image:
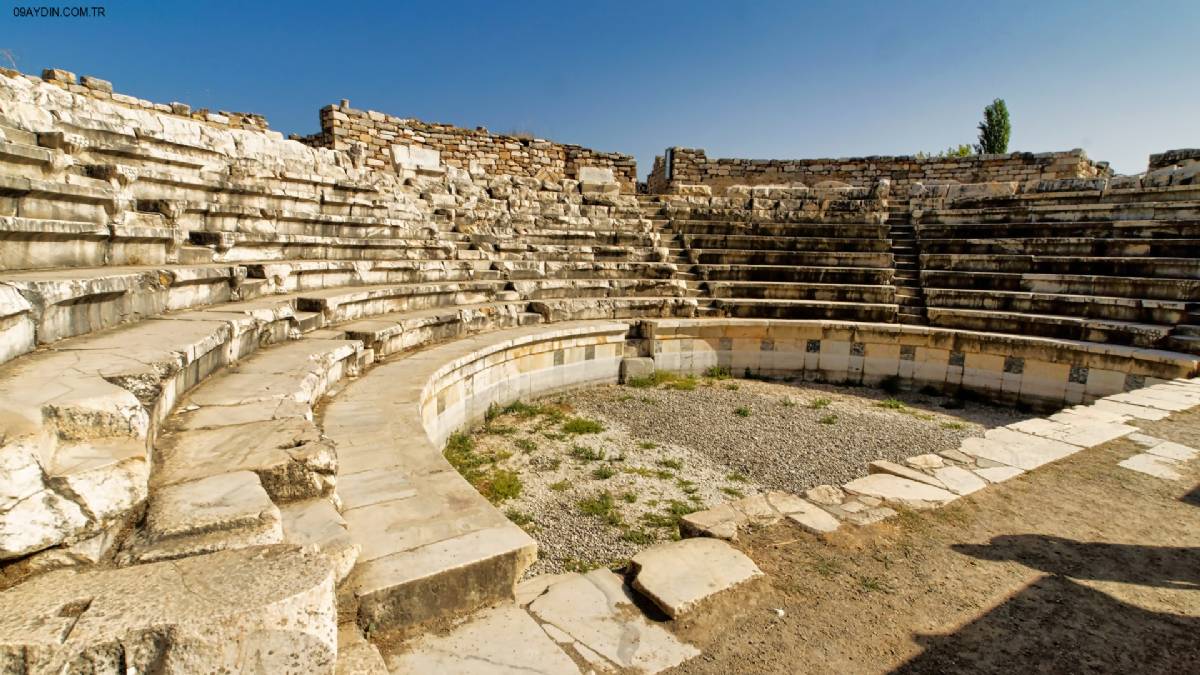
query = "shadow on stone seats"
{"x": 1059, "y": 625}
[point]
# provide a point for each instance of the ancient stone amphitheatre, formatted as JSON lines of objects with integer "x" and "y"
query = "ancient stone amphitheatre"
{"x": 239, "y": 377}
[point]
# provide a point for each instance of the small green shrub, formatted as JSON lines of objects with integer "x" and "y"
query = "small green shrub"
{"x": 828, "y": 419}
{"x": 582, "y": 425}
{"x": 500, "y": 485}
{"x": 717, "y": 373}
{"x": 519, "y": 518}
{"x": 787, "y": 402}
{"x": 742, "y": 411}
{"x": 733, "y": 386}
{"x": 733, "y": 492}
{"x": 629, "y": 497}
{"x": 525, "y": 445}
{"x": 670, "y": 463}
{"x": 586, "y": 454}
{"x": 819, "y": 403}
{"x": 639, "y": 537}
{"x": 890, "y": 404}
{"x": 561, "y": 486}
{"x": 601, "y": 506}
{"x": 603, "y": 472}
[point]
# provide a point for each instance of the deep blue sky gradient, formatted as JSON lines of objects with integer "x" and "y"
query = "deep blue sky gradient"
{"x": 740, "y": 79}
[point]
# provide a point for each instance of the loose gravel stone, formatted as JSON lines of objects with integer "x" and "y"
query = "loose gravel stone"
{"x": 664, "y": 452}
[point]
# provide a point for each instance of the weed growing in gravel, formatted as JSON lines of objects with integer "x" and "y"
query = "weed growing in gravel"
{"x": 525, "y": 445}
{"x": 561, "y": 486}
{"x": 545, "y": 463}
{"x": 624, "y": 398}
{"x": 717, "y": 373}
{"x": 688, "y": 487}
{"x": 828, "y": 419}
{"x": 638, "y": 471}
{"x": 500, "y": 485}
{"x": 460, "y": 452}
{"x": 953, "y": 425}
{"x": 670, "y": 463}
{"x": 647, "y": 445}
{"x": 639, "y": 537}
{"x": 733, "y": 386}
{"x": 683, "y": 384}
{"x": 629, "y": 497}
{"x": 890, "y": 404}
{"x": 499, "y": 430}
{"x": 662, "y": 377}
{"x": 647, "y": 400}
{"x": 787, "y": 402}
{"x": 737, "y": 476}
{"x": 603, "y": 472}
{"x": 551, "y": 436}
{"x": 586, "y": 454}
{"x": 519, "y": 518}
{"x": 582, "y": 425}
{"x": 601, "y": 506}
{"x": 741, "y": 411}
{"x": 664, "y": 474}
{"x": 670, "y": 516}
{"x": 733, "y": 492}
{"x": 819, "y": 402}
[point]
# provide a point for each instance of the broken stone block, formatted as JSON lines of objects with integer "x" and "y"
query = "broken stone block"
{"x": 884, "y": 466}
{"x": 892, "y": 488}
{"x": 825, "y": 494}
{"x": 502, "y": 639}
{"x": 268, "y": 610}
{"x": 1153, "y": 465}
{"x": 680, "y": 575}
{"x": 597, "y": 611}
{"x": 958, "y": 480}
{"x": 221, "y": 512}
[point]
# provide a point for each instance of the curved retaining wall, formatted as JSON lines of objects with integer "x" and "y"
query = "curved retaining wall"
{"x": 1042, "y": 373}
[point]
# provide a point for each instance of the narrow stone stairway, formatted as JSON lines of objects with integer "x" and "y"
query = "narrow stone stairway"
{"x": 907, "y": 281}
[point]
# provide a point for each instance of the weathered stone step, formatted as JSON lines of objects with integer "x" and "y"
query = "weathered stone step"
{"x": 1080, "y": 306}
{"x": 267, "y": 608}
{"x": 1063, "y": 327}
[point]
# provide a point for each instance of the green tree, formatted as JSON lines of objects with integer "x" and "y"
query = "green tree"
{"x": 994, "y": 130}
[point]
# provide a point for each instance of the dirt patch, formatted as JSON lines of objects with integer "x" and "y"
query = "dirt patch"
{"x": 1080, "y": 566}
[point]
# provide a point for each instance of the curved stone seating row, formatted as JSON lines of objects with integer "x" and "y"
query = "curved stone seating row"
{"x": 1043, "y": 373}
{"x": 431, "y": 545}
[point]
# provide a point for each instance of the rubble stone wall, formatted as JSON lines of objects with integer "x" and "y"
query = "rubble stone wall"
{"x": 688, "y": 166}
{"x": 472, "y": 149}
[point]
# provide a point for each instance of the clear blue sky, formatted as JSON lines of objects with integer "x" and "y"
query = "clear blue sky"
{"x": 740, "y": 79}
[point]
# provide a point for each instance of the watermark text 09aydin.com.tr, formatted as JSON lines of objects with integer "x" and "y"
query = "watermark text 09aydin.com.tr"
{"x": 58, "y": 11}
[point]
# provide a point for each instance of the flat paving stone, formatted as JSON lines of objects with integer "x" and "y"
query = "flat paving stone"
{"x": 884, "y": 466}
{"x": 960, "y": 481}
{"x": 1152, "y": 465}
{"x": 1017, "y": 449}
{"x": 598, "y": 612}
{"x": 900, "y": 490}
{"x": 498, "y": 641}
{"x": 680, "y": 575}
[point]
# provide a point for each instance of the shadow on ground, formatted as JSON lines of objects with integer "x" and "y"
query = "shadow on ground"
{"x": 1058, "y": 625}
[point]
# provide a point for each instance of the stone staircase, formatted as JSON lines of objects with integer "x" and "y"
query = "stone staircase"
{"x": 907, "y": 280}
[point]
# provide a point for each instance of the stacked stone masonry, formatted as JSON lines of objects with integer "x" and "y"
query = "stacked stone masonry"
{"x": 200, "y": 324}
{"x": 689, "y": 166}
{"x": 477, "y": 150}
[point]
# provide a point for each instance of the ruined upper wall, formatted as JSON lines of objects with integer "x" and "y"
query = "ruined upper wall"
{"x": 687, "y": 166}
{"x": 471, "y": 149}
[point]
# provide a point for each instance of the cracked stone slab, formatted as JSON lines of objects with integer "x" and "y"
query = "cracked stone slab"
{"x": 958, "y": 480}
{"x": 725, "y": 519}
{"x": 1074, "y": 429}
{"x": 892, "y": 488}
{"x": 998, "y": 474}
{"x": 290, "y": 456}
{"x": 502, "y": 640}
{"x": 884, "y": 466}
{"x": 679, "y": 576}
{"x": 266, "y": 610}
{"x": 317, "y": 523}
{"x": 598, "y": 612}
{"x": 1017, "y": 449}
{"x": 220, "y": 512}
{"x": 357, "y": 656}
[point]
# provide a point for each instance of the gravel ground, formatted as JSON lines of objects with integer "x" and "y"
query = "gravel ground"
{"x": 663, "y": 452}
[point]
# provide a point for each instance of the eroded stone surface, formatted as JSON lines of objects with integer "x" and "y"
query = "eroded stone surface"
{"x": 680, "y": 575}
{"x": 900, "y": 490}
{"x": 501, "y": 640}
{"x": 597, "y": 611}
{"x": 252, "y": 610}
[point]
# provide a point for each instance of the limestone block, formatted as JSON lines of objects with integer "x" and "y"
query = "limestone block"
{"x": 316, "y": 522}
{"x": 253, "y": 610}
{"x": 825, "y": 494}
{"x": 678, "y": 576}
{"x": 636, "y": 368}
{"x": 958, "y": 480}
{"x": 884, "y": 466}
{"x": 900, "y": 490}
{"x": 357, "y": 656}
{"x": 1017, "y": 449}
{"x": 597, "y": 611}
{"x": 502, "y": 639}
{"x": 595, "y": 174}
{"x": 413, "y": 157}
{"x": 1153, "y": 465}
{"x": 217, "y": 513}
